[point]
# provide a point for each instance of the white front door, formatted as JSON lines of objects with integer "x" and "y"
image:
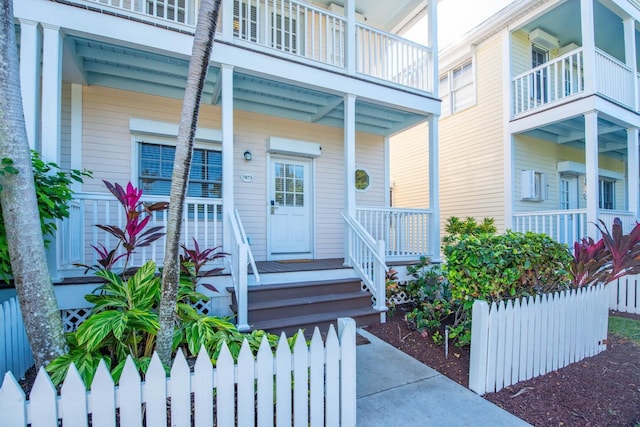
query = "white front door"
{"x": 290, "y": 208}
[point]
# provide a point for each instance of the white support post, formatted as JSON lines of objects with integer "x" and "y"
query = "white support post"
{"x": 434, "y": 188}
{"x": 242, "y": 321}
{"x": 432, "y": 42}
{"x": 591, "y": 164}
{"x": 227, "y": 20}
{"x": 588, "y": 45}
{"x": 380, "y": 282}
{"x": 30, "y": 58}
{"x": 633, "y": 159}
{"x": 509, "y": 158}
{"x": 349, "y": 166}
{"x": 630, "y": 56}
{"x": 387, "y": 172}
{"x": 350, "y": 42}
{"x": 227, "y": 155}
{"x": 76, "y": 130}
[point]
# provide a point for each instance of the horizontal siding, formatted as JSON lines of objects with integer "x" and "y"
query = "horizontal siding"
{"x": 65, "y": 127}
{"x": 472, "y": 146}
{"x": 409, "y": 167}
{"x": 107, "y": 152}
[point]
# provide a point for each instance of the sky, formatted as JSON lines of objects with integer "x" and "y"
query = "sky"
{"x": 457, "y": 17}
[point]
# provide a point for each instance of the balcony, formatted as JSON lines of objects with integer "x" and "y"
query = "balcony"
{"x": 293, "y": 30}
{"x": 563, "y": 77}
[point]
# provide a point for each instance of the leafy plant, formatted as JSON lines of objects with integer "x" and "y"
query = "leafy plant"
{"x": 457, "y": 228}
{"x": 53, "y": 191}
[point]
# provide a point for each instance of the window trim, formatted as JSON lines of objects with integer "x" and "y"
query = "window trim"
{"x": 602, "y": 180}
{"x": 450, "y": 91}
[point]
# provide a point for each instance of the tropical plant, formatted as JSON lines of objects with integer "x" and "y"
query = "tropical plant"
{"x": 456, "y": 228}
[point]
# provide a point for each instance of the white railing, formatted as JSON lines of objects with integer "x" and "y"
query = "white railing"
{"x": 614, "y": 79}
{"x": 627, "y": 218}
{"x": 404, "y": 231}
{"x": 564, "y": 226}
{"x": 624, "y": 294}
{"x": 15, "y": 353}
{"x": 522, "y": 339}
{"x": 312, "y": 385}
{"x": 292, "y": 27}
{"x": 241, "y": 258}
{"x": 549, "y": 82}
{"x": 202, "y": 221}
{"x": 366, "y": 256}
{"x": 392, "y": 58}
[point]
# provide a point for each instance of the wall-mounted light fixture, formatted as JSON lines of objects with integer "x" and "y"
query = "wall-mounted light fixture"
{"x": 247, "y": 155}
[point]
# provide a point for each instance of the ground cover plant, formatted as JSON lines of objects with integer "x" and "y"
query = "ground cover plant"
{"x": 124, "y": 318}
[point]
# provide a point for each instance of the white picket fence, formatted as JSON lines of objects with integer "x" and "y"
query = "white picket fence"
{"x": 624, "y": 294}
{"x": 311, "y": 385}
{"x": 15, "y": 353}
{"x": 522, "y": 339}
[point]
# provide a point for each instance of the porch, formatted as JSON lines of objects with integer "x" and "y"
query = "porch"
{"x": 568, "y": 59}
{"x": 331, "y": 35}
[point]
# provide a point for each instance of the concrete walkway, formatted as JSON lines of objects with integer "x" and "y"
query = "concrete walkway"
{"x": 394, "y": 389}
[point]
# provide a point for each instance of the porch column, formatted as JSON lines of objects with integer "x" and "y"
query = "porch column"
{"x": 349, "y": 164}
{"x": 76, "y": 130}
{"x": 51, "y": 115}
{"x": 633, "y": 159}
{"x": 591, "y": 162}
{"x": 387, "y": 172}
{"x": 227, "y": 19}
{"x": 51, "y": 93}
{"x": 588, "y": 45}
{"x": 30, "y": 57}
{"x": 432, "y": 42}
{"x": 226, "y": 75}
{"x": 434, "y": 193}
{"x": 630, "y": 56}
{"x": 350, "y": 42}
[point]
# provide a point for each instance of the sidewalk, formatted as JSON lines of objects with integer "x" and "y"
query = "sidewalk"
{"x": 394, "y": 389}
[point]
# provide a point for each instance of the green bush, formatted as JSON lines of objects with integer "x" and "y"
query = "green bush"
{"x": 53, "y": 191}
{"x": 457, "y": 228}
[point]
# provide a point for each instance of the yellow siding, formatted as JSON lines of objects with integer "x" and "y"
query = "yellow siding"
{"x": 409, "y": 168}
{"x": 107, "y": 152}
{"x": 471, "y": 146}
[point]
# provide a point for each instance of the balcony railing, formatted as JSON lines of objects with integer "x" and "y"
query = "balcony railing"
{"x": 567, "y": 226}
{"x": 290, "y": 27}
{"x": 564, "y": 76}
{"x": 404, "y": 231}
{"x": 202, "y": 221}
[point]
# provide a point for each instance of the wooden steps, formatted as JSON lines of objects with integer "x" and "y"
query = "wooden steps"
{"x": 291, "y": 306}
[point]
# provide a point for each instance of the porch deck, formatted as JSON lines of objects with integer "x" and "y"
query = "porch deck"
{"x": 293, "y": 266}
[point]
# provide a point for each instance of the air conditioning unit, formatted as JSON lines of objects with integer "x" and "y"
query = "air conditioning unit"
{"x": 567, "y": 48}
{"x": 543, "y": 39}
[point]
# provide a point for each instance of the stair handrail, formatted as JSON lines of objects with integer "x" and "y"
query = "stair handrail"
{"x": 367, "y": 257}
{"x": 239, "y": 274}
{"x": 244, "y": 239}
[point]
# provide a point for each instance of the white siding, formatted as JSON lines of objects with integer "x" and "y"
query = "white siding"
{"x": 107, "y": 152}
{"x": 409, "y": 167}
{"x": 65, "y": 127}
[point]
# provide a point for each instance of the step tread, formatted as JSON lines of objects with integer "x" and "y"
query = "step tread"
{"x": 277, "y": 286}
{"x": 289, "y": 302}
{"x": 286, "y": 322}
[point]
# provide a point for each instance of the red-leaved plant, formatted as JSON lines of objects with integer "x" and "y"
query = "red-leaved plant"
{"x": 615, "y": 255}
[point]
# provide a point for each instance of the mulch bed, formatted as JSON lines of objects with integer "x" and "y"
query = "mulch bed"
{"x": 603, "y": 390}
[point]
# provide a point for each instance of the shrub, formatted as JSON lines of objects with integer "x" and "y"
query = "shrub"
{"x": 457, "y": 228}
{"x": 53, "y": 192}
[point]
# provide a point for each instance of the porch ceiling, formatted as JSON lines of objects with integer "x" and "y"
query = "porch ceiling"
{"x": 612, "y": 137}
{"x": 99, "y": 63}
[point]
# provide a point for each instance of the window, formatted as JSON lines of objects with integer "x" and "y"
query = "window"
{"x": 533, "y": 186}
{"x": 173, "y": 10}
{"x": 539, "y": 79}
{"x": 245, "y": 24}
{"x": 606, "y": 193}
{"x": 284, "y": 33}
{"x": 156, "y": 167}
{"x": 457, "y": 88}
{"x": 362, "y": 179}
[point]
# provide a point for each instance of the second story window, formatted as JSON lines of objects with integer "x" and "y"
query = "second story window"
{"x": 606, "y": 193}
{"x": 457, "y": 88}
{"x": 539, "y": 79}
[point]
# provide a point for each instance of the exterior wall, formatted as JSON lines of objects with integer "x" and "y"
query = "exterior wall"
{"x": 107, "y": 151}
{"x": 543, "y": 156}
{"x": 65, "y": 127}
{"x": 409, "y": 168}
{"x": 471, "y": 145}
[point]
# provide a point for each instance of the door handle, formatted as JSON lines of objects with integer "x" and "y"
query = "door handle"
{"x": 273, "y": 207}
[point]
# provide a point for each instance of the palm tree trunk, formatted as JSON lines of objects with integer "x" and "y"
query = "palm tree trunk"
{"x": 198, "y": 65}
{"x": 20, "y": 209}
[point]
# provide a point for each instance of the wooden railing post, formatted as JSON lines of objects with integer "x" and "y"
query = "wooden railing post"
{"x": 380, "y": 278}
{"x": 241, "y": 293}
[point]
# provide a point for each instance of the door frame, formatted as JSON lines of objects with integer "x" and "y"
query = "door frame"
{"x": 311, "y": 181}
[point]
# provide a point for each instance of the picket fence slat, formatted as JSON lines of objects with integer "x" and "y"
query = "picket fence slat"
{"x": 314, "y": 385}
{"x": 624, "y": 294}
{"x": 518, "y": 340}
